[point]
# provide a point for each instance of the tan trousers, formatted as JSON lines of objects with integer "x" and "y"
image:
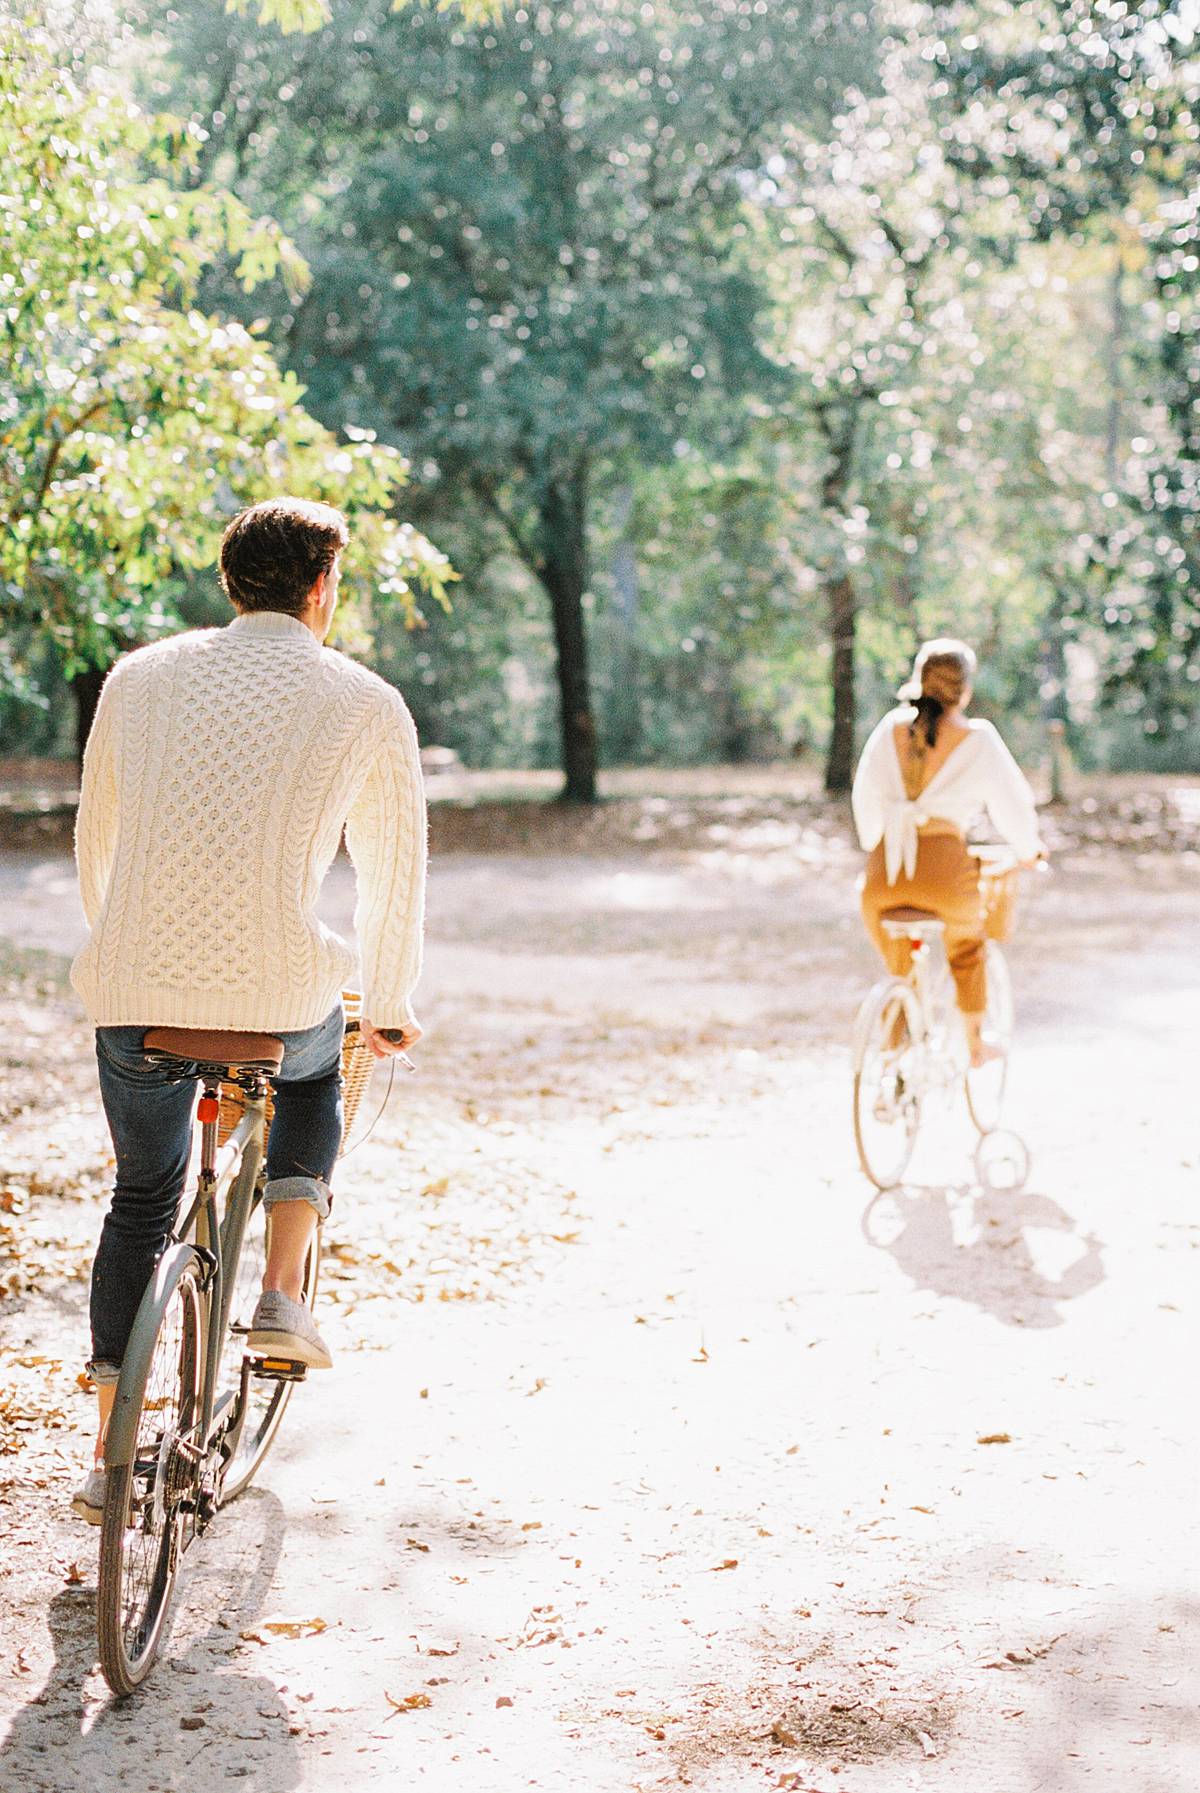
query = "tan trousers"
{"x": 945, "y": 881}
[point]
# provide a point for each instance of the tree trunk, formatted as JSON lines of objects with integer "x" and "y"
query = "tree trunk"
{"x": 562, "y": 569}
{"x": 624, "y": 728}
{"x": 843, "y": 611}
{"x": 840, "y": 598}
{"x": 86, "y": 687}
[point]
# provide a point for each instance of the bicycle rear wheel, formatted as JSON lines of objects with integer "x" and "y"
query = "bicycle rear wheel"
{"x": 887, "y": 1099}
{"x": 266, "y": 1397}
{"x": 985, "y": 1087}
{"x": 150, "y": 1493}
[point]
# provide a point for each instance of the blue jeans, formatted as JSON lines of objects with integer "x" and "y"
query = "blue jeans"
{"x": 149, "y": 1113}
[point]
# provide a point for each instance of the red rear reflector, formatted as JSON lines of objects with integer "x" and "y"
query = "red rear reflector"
{"x": 209, "y": 1108}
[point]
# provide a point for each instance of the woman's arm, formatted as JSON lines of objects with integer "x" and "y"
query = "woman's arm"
{"x": 1010, "y": 801}
{"x": 866, "y": 797}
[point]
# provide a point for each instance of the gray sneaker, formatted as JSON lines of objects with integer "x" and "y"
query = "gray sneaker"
{"x": 281, "y": 1327}
{"x": 88, "y": 1499}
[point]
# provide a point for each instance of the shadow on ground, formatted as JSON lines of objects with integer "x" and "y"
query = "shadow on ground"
{"x": 1018, "y": 1256}
{"x": 201, "y": 1716}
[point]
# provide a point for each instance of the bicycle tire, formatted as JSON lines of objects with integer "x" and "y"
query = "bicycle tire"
{"x": 267, "y": 1400}
{"x": 887, "y": 1111}
{"x": 148, "y": 1494}
{"x": 985, "y": 1088}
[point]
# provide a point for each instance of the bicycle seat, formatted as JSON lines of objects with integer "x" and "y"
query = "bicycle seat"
{"x": 218, "y": 1046}
{"x": 911, "y": 924}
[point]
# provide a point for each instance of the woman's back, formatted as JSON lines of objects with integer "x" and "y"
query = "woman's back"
{"x": 919, "y": 770}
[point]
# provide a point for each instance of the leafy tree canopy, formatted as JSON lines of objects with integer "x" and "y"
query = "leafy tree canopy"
{"x": 526, "y": 238}
{"x": 133, "y": 422}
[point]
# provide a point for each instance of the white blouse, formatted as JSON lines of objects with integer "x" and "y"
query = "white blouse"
{"x": 979, "y": 774}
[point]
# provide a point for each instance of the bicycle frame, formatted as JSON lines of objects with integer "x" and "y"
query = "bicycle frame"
{"x": 940, "y": 1064}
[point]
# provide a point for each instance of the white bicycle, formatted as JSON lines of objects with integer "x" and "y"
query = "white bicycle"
{"x": 909, "y": 1048}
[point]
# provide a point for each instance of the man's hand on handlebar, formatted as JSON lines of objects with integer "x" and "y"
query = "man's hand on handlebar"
{"x": 390, "y": 1042}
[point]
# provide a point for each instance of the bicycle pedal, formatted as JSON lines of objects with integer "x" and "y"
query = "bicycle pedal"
{"x": 279, "y": 1369}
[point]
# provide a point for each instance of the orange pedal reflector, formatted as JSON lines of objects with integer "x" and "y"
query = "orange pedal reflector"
{"x": 209, "y": 1109}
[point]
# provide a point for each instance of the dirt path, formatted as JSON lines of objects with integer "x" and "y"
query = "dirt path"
{"x": 652, "y": 1451}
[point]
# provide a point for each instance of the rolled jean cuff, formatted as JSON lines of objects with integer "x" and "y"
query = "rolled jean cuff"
{"x": 299, "y": 1189}
{"x": 104, "y": 1375}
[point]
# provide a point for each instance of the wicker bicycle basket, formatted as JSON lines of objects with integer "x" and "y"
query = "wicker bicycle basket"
{"x": 357, "y": 1064}
{"x": 998, "y": 886}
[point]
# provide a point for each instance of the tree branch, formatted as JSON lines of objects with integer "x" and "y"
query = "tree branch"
{"x": 524, "y": 547}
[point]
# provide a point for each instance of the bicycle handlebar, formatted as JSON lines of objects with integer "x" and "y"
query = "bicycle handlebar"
{"x": 998, "y": 859}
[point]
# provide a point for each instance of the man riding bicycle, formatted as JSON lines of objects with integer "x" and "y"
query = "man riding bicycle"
{"x": 222, "y": 767}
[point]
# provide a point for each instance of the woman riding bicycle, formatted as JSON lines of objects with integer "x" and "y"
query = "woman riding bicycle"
{"x": 925, "y": 775}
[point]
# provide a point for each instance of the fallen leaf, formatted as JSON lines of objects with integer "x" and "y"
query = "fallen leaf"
{"x": 995, "y": 1438}
{"x": 780, "y": 1733}
{"x": 73, "y": 1575}
{"x": 414, "y": 1544}
{"x": 503, "y": 1700}
{"x": 266, "y": 1629}
{"x": 532, "y": 1525}
{"x": 730, "y": 1562}
{"x": 1020, "y": 1658}
{"x": 412, "y": 1702}
{"x": 440, "y": 1649}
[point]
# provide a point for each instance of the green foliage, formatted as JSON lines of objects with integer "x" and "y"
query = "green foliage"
{"x": 132, "y": 422}
{"x": 528, "y": 255}
{"x": 312, "y": 15}
{"x": 702, "y": 320}
{"x": 1093, "y": 112}
{"x": 525, "y": 252}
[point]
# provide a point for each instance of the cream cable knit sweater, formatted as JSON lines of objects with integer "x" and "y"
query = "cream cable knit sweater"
{"x": 220, "y": 771}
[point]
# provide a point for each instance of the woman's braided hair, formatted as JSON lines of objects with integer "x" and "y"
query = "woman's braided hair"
{"x": 942, "y": 671}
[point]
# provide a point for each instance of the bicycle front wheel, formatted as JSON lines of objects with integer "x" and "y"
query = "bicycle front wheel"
{"x": 887, "y": 1097}
{"x": 266, "y": 1397}
{"x": 153, "y": 1463}
{"x": 985, "y": 1087}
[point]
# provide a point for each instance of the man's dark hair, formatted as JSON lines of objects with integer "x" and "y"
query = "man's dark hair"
{"x": 273, "y": 554}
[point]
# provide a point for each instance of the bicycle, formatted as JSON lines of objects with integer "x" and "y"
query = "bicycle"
{"x": 195, "y": 1413}
{"x": 909, "y": 1045}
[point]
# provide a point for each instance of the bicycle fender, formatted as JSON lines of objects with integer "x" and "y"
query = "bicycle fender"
{"x": 122, "y": 1427}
